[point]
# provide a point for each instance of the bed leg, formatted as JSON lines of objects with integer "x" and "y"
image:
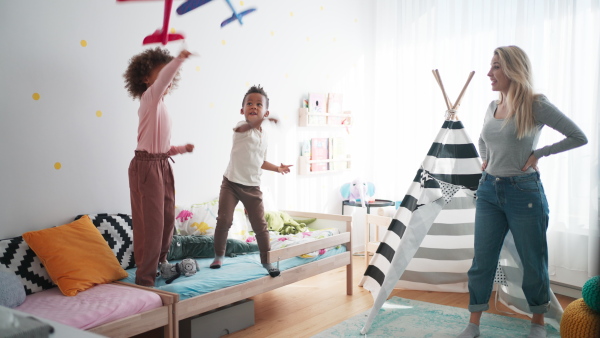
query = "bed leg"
{"x": 172, "y": 329}
{"x": 349, "y": 279}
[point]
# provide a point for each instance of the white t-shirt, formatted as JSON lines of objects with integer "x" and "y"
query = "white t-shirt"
{"x": 248, "y": 153}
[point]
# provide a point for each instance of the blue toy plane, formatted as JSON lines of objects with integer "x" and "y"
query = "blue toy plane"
{"x": 193, "y": 4}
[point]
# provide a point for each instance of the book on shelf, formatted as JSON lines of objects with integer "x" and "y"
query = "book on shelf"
{"x": 334, "y": 106}
{"x": 305, "y": 148}
{"x": 338, "y": 152}
{"x": 317, "y": 104}
{"x": 319, "y": 151}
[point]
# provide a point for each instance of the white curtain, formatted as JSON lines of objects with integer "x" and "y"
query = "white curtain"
{"x": 562, "y": 39}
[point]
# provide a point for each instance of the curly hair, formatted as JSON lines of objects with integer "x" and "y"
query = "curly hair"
{"x": 141, "y": 66}
{"x": 256, "y": 89}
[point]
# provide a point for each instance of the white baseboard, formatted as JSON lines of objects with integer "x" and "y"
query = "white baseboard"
{"x": 566, "y": 290}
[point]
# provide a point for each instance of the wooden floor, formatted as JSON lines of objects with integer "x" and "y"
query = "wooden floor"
{"x": 310, "y": 306}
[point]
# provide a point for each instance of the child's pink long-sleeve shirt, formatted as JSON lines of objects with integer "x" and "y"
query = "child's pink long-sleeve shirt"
{"x": 154, "y": 130}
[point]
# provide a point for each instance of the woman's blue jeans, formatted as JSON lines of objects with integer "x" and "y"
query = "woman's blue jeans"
{"x": 518, "y": 204}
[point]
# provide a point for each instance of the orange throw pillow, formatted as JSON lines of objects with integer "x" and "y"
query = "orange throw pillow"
{"x": 75, "y": 255}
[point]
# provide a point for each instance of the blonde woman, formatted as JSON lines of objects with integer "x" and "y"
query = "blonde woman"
{"x": 510, "y": 195}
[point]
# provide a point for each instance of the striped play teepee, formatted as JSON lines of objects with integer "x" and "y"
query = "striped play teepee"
{"x": 429, "y": 242}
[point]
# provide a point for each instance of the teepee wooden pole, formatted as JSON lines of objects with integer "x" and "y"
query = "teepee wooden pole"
{"x": 437, "y": 76}
{"x": 463, "y": 90}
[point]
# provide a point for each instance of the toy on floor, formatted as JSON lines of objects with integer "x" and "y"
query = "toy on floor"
{"x": 186, "y": 267}
{"x": 358, "y": 191}
{"x": 193, "y": 4}
{"x": 162, "y": 35}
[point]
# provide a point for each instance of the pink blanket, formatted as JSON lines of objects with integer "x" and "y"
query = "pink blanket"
{"x": 96, "y": 306}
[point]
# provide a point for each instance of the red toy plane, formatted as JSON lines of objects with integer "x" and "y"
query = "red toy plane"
{"x": 162, "y": 35}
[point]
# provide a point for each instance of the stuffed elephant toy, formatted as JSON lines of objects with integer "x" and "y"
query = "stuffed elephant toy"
{"x": 358, "y": 191}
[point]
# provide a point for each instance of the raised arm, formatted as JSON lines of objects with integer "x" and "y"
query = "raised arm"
{"x": 166, "y": 75}
{"x": 254, "y": 125}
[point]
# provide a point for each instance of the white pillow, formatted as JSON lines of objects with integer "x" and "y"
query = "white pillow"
{"x": 201, "y": 219}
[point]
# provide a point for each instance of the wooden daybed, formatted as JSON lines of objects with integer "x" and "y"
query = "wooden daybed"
{"x": 175, "y": 310}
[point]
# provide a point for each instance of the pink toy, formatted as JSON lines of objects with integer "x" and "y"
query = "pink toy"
{"x": 184, "y": 215}
{"x": 161, "y": 35}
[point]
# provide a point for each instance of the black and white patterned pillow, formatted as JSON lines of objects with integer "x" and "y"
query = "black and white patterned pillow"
{"x": 18, "y": 257}
{"x": 117, "y": 231}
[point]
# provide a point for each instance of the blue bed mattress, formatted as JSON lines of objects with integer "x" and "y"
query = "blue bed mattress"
{"x": 235, "y": 270}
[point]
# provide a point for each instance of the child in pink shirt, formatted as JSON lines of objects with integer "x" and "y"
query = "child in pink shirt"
{"x": 149, "y": 76}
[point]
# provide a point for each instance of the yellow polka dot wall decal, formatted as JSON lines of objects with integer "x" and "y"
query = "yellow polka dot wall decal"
{"x": 272, "y": 33}
{"x": 287, "y": 76}
{"x": 241, "y": 3}
{"x": 307, "y": 39}
{"x": 291, "y": 13}
{"x": 57, "y": 165}
{"x": 247, "y": 84}
{"x": 172, "y": 30}
{"x": 35, "y": 96}
{"x": 322, "y": 8}
{"x": 355, "y": 20}
{"x": 334, "y": 39}
{"x": 212, "y": 105}
{"x": 98, "y": 113}
{"x": 197, "y": 68}
{"x": 223, "y": 42}
{"x": 83, "y": 43}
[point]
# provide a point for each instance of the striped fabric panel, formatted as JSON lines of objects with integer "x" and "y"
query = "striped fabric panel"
{"x": 434, "y": 265}
{"x": 452, "y": 158}
{"x": 456, "y": 287}
{"x": 445, "y": 255}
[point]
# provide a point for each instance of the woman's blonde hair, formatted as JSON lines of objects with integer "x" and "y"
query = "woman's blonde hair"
{"x": 520, "y": 97}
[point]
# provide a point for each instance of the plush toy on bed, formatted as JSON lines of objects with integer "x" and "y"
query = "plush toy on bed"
{"x": 284, "y": 224}
{"x": 186, "y": 267}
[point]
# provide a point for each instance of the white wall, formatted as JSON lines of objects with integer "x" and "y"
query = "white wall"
{"x": 73, "y": 54}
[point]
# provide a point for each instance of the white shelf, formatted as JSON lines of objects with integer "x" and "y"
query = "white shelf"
{"x": 337, "y": 122}
{"x": 304, "y": 163}
{"x": 306, "y": 119}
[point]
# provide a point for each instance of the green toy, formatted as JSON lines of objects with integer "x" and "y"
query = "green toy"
{"x": 284, "y": 224}
{"x": 204, "y": 247}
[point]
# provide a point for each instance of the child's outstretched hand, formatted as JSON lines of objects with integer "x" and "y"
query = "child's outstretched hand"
{"x": 184, "y": 54}
{"x": 284, "y": 169}
{"x": 272, "y": 119}
{"x": 189, "y": 147}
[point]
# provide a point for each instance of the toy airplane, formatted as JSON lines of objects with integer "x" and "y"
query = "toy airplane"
{"x": 162, "y": 35}
{"x": 193, "y": 4}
